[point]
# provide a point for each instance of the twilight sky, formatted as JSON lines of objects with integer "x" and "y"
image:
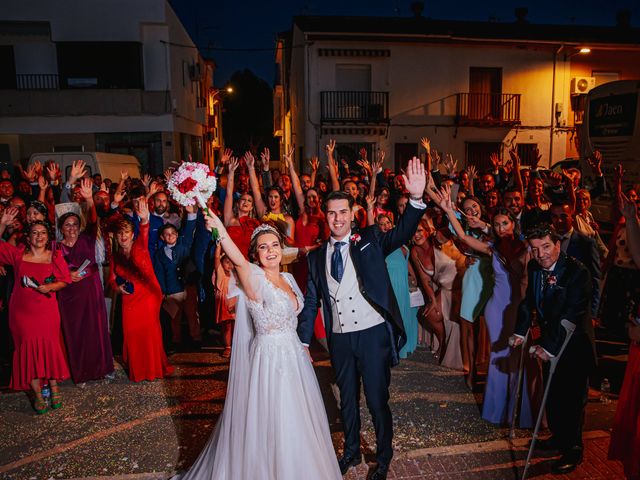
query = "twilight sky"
{"x": 219, "y": 26}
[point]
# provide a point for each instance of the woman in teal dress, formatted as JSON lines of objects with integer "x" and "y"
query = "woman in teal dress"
{"x": 398, "y": 268}
{"x": 477, "y": 283}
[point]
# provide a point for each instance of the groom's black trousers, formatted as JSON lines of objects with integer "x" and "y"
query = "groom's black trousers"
{"x": 364, "y": 354}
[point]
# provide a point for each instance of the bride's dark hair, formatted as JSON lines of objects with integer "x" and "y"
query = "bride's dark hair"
{"x": 253, "y": 245}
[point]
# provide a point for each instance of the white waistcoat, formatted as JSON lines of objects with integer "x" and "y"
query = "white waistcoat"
{"x": 351, "y": 311}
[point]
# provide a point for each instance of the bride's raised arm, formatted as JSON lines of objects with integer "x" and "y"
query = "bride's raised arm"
{"x": 242, "y": 265}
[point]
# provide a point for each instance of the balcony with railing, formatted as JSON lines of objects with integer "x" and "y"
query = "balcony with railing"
{"x": 369, "y": 108}
{"x": 487, "y": 109}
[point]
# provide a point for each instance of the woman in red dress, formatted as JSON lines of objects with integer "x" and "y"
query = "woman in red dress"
{"x": 310, "y": 232}
{"x": 133, "y": 276}
{"x": 239, "y": 218}
{"x": 34, "y": 319}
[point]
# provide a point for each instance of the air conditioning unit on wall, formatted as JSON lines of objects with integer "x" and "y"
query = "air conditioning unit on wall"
{"x": 582, "y": 85}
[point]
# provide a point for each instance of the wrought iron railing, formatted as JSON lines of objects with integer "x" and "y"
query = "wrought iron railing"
{"x": 356, "y": 107}
{"x": 488, "y": 108}
{"x": 38, "y": 81}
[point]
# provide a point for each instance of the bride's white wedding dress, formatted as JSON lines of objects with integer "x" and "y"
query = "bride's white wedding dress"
{"x": 274, "y": 425}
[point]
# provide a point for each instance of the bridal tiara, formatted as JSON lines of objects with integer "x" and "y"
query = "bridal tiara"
{"x": 265, "y": 227}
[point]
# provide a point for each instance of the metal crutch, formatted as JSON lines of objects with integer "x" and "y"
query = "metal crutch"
{"x": 512, "y": 430}
{"x": 569, "y": 327}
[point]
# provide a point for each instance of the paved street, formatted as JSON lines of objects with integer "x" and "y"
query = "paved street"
{"x": 150, "y": 430}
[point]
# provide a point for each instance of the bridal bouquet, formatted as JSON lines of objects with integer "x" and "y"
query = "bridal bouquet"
{"x": 193, "y": 183}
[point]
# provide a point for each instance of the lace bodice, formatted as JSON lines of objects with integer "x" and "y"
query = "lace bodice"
{"x": 274, "y": 311}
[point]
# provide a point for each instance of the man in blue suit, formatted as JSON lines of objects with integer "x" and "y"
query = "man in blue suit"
{"x": 348, "y": 279}
{"x": 578, "y": 246}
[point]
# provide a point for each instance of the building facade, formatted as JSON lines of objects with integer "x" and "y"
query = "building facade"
{"x": 117, "y": 76}
{"x": 473, "y": 88}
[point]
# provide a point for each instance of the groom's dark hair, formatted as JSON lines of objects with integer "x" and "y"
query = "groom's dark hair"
{"x": 340, "y": 195}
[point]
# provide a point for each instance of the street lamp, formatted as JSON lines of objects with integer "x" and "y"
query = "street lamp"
{"x": 585, "y": 50}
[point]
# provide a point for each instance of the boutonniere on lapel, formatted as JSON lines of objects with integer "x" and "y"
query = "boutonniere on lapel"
{"x": 355, "y": 238}
{"x": 552, "y": 280}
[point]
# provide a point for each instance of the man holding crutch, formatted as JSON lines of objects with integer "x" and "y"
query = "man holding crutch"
{"x": 559, "y": 289}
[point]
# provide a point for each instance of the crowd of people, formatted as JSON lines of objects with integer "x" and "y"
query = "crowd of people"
{"x": 84, "y": 254}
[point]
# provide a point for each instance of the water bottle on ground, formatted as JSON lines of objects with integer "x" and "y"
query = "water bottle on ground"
{"x": 605, "y": 388}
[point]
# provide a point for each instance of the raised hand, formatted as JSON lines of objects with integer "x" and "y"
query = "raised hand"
{"x": 9, "y": 215}
{"x": 426, "y": 144}
{"x": 628, "y": 208}
{"x": 124, "y": 174}
{"x": 42, "y": 182}
{"x": 119, "y": 195}
{"x": 445, "y": 201}
{"x": 366, "y": 166}
{"x": 226, "y": 155}
{"x": 86, "y": 189}
{"x": 376, "y": 166}
{"x": 146, "y": 180}
{"x": 167, "y": 174}
{"x": 265, "y": 158}
{"x": 363, "y": 153}
{"x": 595, "y": 162}
{"x": 233, "y": 165}
{"x": 30, "y": 174}
{"x": 287, "y": 159}
{"x": 211, "y": 221}
{"x": 142, "y": 209}
{"x": 314, "y": 163}
{"x": 53, "y": 170}
{"x": 78, "y": 171}
{"x": 508, "y": 166}
{"x": 330, "y": 147}
{"x": 415, "y": 178}
{"x": 475, "y": 222}
{"x": 450, "y": 164}
{"x": 371, "y": 201}
{"x": 472, "y": 172}
{"x": 495, "y": 161}
{"x": 250, "y": 160}
{"x": 515, "y": 158}
{"x": 153, "y": 189}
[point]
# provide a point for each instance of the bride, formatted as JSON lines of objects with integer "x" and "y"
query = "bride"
{"x": 274, "y": 425}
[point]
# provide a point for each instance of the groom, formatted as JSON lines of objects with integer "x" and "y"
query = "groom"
{"x": 348, "y": 279}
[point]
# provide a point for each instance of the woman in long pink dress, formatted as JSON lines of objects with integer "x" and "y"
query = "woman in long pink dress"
{"x": 34, "y": 319}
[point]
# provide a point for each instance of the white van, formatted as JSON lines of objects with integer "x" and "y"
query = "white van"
{"x": 109, "y": 165}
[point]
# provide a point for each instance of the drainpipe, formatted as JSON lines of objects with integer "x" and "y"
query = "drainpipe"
{"x": 553, "y": 102}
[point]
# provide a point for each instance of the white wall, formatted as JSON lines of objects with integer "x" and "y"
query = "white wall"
{"x": 37, "y": 57}
{"x": 87, "y": 20}
{"x": 423, "y": 79}
{"x": 156, "y": 57}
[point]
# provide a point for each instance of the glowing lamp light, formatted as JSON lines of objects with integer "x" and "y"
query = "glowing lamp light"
{"x": 585, "y": 50}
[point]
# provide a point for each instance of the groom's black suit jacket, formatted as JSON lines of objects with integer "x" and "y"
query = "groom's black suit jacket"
{"x": 368, "y": 256}
{"x": 569, "y": 298}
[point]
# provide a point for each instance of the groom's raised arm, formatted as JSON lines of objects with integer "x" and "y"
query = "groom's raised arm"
{"x": 403, "y": 232}
{"x": 307, "y": 317}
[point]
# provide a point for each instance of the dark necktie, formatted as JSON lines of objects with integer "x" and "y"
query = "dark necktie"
{"x": 337, "y": 268}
